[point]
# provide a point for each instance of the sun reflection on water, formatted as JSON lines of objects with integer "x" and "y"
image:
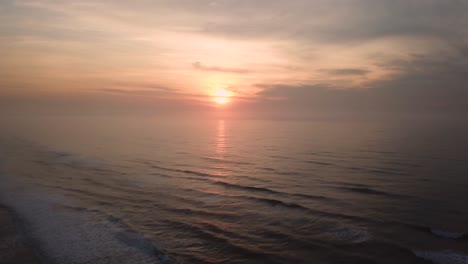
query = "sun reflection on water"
{"x": 221, "y": 147}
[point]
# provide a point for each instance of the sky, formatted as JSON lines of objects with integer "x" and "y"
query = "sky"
{"x": 266, "y": 58}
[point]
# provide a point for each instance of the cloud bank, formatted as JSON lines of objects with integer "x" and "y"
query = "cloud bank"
{"x": 296, "y": 57}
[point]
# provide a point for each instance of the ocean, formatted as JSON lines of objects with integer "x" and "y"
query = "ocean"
{"x": 152, "y": 190}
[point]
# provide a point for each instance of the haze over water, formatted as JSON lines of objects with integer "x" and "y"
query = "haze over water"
{"x": 234, "y": 131}
{"x": 226, "y": 191}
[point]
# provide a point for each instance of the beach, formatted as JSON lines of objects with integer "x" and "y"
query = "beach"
{"x": 14, "y": 248}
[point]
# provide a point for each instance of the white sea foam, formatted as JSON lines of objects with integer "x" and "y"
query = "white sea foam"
{"x": 76, "y": 236}
{"x": 442, "y": 257}
{"x": 349, "y": 234}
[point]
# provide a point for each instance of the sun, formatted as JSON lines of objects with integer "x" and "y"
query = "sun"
{"x": 221, "y": 96}
{"x": 221, "y": 100}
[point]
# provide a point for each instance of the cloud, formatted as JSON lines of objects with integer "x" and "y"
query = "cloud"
{"x": 199, "y": 66}
{"x": 346, "y": 71}
{"x": 430, "y": 84}
{"x": 137, "y": 88}
{"x": 238, "y": 91}
{"x": 410, "y": 55}
{"x": 129, "y": 92}
{"x": 151, "y": 86}
{"x": 340, "y": 21}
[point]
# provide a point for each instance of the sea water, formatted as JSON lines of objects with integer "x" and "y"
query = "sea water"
{"x": 152, "y": 190}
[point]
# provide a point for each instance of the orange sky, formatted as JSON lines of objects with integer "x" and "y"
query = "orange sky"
{"x": 188, "y": 50}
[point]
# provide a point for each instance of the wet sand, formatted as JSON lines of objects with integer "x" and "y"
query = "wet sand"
{"x": 13, "y": 249}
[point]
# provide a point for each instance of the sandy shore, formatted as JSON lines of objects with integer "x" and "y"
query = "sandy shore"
{"x": 13, "y": 250}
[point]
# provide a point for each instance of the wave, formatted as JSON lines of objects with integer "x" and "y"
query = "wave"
{"x": 267, "y": 169}
{"x": 138, "y": 241}
{"x": 80, "y": 234}
{"x": 182, "y": 171}
{"x": 249, "y": 188}
{"x": 192, "y": 212}
{"x": 377, "y": 170}
{"x": 280, "y": 157}
{"x": 377, "y": 151}
{"x": 447, "y": 234}
{"x": 101, "y": 197}
{"x": 367, "y": 190}
{"x": 327, "y": 154}
{"x": 385, "y": 171}
{"x": 193, "y": 172}
{"x": 290, "y": 173}
{"x": 359, "y": 185}
{"x": 153, "y": 165}
{"x": 442, "y": 257}
{"x": 72, "y": 160}
{"x": 376, "y": 251}
{"x": 319, "y": 162}
{"x": 219, "y": 239}
{"x": 218, "y": 160}
{"x": 275, "y": 202}
{"x": 272, "y": 202}
{"x": 269, "y": 191}
{"x": 207, "y": 175}
{"x": 347, "y": 234}
{"x": 402, "y": 164}
{"x": 436, "y": 231}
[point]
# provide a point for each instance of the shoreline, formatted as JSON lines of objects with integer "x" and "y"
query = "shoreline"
{"x": 14, "y": 249}
{"x": 45, "y": 227}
